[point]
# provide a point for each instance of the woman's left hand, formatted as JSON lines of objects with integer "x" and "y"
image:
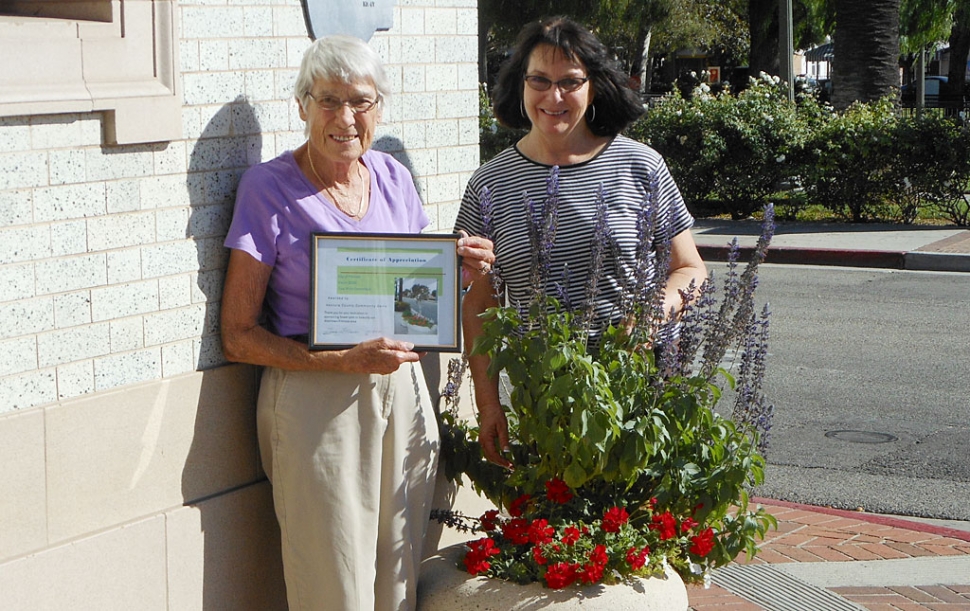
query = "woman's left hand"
{"x": 477, "y": 255}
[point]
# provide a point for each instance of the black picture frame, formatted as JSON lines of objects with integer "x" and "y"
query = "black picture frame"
{"x": 405, "y": 287}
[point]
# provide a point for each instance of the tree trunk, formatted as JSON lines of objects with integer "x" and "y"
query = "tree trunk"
{"x": 959, "y": 49}
{"x": 640, "y": 69}
{"x": 483, "y": 27}
{"x": 866, "y": 64}
{"x": 763, "y": 27}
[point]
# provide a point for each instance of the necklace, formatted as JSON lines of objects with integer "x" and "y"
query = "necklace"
{"x": 360, "y": 205}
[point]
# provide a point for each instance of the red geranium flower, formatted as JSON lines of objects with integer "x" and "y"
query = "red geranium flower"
{"x": 687, "y": 524}
{"x": 560, "y": 575}
{"x": 476, "y": 560}
{"x": 592, "y": 573}
{"x": 537, "y": 555}
{"x": 540, "y": 532}
{"x": 598, "y": 555}
{"x": 702, "y": 543}
{"x": 666, "y": 525}
{"x": 614, "y": 518}
{"x": 518, "y": 505}
{"x": 516, "y": 531}
{"x": 570, "y": 535}
{"x": 558, "y": 492}
{"x": 489, "y": 520}
{"x": 637, "y": 558}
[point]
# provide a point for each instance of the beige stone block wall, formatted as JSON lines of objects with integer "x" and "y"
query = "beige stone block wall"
{"x": 145, "y": 498}
{"x": 23, "y": 485}
{"x": 129, "y": 474}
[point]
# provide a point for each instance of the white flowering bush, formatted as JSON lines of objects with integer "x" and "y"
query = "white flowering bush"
{"x": 729, "y": 153}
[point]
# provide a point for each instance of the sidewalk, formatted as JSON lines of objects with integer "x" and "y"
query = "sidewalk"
{"x": 845, "y": 244}
{"x": 832, "y": 560}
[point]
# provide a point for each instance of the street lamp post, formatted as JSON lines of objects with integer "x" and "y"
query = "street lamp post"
{"x": 786, "y": 46}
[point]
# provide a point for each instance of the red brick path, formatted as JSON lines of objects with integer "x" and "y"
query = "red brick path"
{"x": 810, "y": 534}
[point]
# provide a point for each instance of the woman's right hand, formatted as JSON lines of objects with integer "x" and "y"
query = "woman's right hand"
{"x": 380, "y": 356}
{"x": 493, "y": 434}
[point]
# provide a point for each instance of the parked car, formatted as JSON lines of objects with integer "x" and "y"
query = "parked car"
{"x": 933, "y": 85}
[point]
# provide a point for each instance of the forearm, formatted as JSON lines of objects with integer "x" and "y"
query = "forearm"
{"x": 679, "y": 282}
{"x": 258, "y": 346}
{"x": 475, "y": 303}
{"x": 686, "y": 268}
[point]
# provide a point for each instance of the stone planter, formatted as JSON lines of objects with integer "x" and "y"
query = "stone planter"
{"x": 444, "y": 587}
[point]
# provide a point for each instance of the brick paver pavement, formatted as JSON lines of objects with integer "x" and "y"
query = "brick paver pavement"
{"x": 811, "y": 534}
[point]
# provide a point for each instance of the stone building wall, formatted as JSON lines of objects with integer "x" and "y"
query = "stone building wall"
{"x": 130, "y": 472}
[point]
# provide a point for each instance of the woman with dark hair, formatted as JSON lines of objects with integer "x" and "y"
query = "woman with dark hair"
{"x": 616, "y": 105}
{"x": 562, "y": 84}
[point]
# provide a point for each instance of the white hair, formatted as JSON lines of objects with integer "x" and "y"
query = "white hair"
{"x": 340, "y": 58}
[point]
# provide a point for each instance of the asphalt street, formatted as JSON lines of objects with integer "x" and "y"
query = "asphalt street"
{"x": 869, "y": 372}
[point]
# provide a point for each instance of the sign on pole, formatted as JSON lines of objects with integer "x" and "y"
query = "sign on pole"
{"x": 360, "y": 18}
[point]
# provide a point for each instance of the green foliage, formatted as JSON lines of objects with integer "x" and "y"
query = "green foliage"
{"x": 677, "y": 128}
{"x": 923, "y": 23}
{"x": 616, "y": 432}
{"x": 730, "y": 154}
{"x": 493, "y": 137}
{"x": 732, "y": 149}
{"x": 932, "y": 169}
{"x": 848, "y": 162}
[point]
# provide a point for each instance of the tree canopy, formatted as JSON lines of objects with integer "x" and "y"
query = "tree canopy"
{"x": 736, "y": 32}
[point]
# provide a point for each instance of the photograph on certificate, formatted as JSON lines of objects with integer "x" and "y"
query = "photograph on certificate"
{"x": 403, "y": 287}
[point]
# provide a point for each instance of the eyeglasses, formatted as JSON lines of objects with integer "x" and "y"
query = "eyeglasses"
{"x": 332, "y": 104}
{"x": 566, "y": 85}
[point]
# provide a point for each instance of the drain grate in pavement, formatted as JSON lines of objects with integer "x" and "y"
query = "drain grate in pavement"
{"x": 776, "y": 591}
{"x": 861, "y": 436}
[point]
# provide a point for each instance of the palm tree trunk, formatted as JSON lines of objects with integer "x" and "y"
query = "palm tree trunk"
{"x": 959, "y": 49}
{"x": 763, "y": 28}
{"x": 866, "y": 64}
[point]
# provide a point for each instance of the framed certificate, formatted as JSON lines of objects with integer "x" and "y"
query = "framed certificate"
{"x": 404, "y": 287}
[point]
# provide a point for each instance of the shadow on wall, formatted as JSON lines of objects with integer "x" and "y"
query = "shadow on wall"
{"x": 230, "y": 143}
{"x": 431, "y": 363}
{"x": 239, "y": 564}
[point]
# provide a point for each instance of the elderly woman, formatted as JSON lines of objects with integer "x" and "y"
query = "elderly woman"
{"x": 348, "y": 438}
{"x": 562, "y": 84}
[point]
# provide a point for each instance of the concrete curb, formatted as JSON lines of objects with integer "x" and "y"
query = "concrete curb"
{"x": 881, "y": 259}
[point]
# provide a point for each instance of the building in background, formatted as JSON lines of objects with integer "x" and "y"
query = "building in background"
{"x": 130, "y": 473}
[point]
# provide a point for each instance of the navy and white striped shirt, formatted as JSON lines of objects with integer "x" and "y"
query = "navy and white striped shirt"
{"x": 625, "y": 169}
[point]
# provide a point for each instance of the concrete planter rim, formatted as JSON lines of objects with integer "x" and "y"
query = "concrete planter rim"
{"x": 443, "y": 586}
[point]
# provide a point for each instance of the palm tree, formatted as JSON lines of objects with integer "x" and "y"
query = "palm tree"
{"x": 959, "y": 48}
{"x": 866, "y": 65}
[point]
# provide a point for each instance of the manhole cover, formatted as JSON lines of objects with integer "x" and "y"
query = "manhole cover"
{"x": 861, "y": 436}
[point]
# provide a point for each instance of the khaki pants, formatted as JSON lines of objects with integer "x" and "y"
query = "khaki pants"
{"x": 352, "y": 460}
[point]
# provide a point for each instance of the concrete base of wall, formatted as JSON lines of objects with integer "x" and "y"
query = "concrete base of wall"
{"x": 149, "y": 497}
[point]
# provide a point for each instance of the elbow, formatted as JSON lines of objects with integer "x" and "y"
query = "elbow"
{"x": 231, "y": 348}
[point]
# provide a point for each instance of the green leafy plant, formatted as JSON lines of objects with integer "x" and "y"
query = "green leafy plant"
{"x": 848, "y": 166}
{"x": 732, "y": 153}
{"x": 728, "y": 152}
{"x": 932, "y": 168}
{"x": 493, "y": 137}
{"x": 622, "y": 463}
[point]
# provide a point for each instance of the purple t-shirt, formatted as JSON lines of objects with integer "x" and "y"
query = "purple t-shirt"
{"x": 277, "y": 208}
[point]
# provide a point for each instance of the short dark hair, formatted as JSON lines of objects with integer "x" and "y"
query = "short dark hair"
{"x": 616, "y": 104}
